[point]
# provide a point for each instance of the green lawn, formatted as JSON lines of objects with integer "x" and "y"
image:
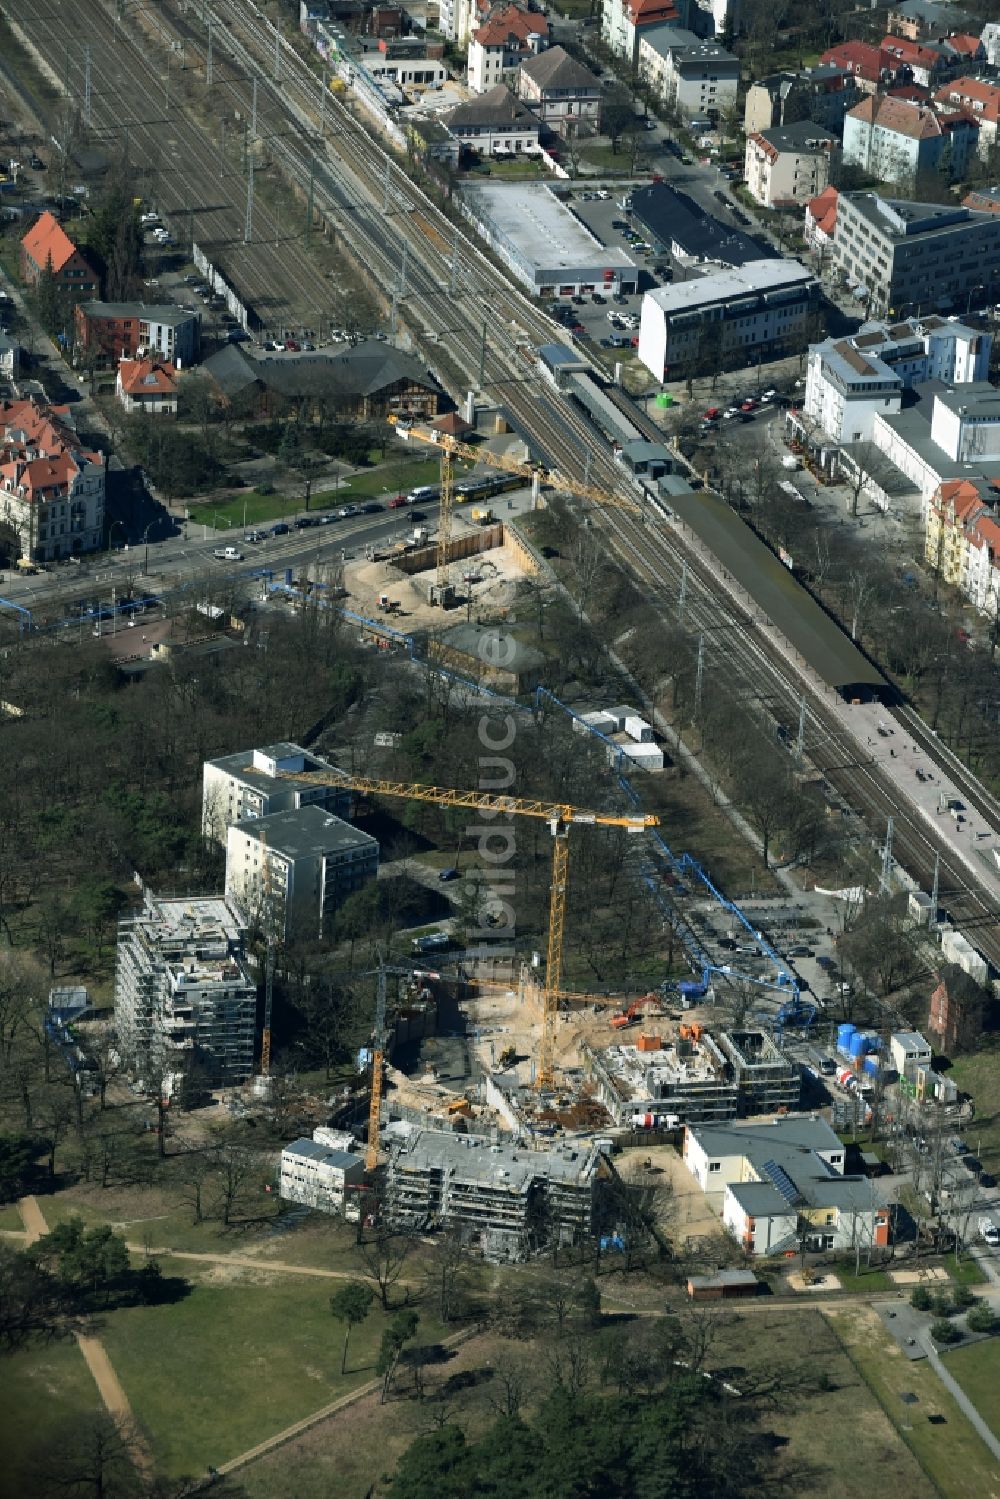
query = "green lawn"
{"x": 952, "y": 1456}
{"x": 10, "y": 1217}
{"x": 977, "y": 1369}
{"x": 867, "y": 1281}
{"x": 376, "y": 483}
{"x": 242, "y": 1356}
{"x": 966, "y": 1273}
{"x": 42, "y": 1389}
{"x": 839, "y": 1443}
{"x": 156, "y": 1218}
{"x": 980, "y": 1076}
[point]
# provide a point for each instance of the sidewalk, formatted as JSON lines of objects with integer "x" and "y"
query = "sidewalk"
{"x": 962, "y": 1400}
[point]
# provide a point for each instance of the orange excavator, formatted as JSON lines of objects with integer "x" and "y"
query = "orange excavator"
{"x": 623, "y": 1018}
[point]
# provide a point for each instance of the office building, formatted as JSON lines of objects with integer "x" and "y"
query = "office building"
{"x": 900, "y": 256}
{"x": 727, "y": 319}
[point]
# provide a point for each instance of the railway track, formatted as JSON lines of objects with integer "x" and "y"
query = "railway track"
{"x": 360, "y": 189}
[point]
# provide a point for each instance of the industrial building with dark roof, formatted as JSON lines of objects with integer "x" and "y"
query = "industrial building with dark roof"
{"x": 677, "y": 223}
{"x": 369, "y": 380}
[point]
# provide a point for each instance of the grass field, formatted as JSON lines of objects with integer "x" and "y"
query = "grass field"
{"x": 949, "y": 1452}
{"x": 242, "y": 1356}
{"x": 42, "y": 1390}
{"x": 980, "y": 1076}
{"x": 154, "y": 1217}
{"x": 977, "y": 1369}
{"x": 377, "y": 483}
{"x": 966, "y": 1272}
{"x": 867, "y": 1280}
{"x": 10, "y": 1218}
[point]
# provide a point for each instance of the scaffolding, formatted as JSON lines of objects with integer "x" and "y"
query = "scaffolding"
{"x": 183, "y": 990}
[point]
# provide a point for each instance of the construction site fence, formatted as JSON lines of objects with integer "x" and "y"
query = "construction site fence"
{"x": 469, "y": 545}
{"x": 524, "y": 553}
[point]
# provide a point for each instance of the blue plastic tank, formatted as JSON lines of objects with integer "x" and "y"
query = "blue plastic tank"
{"x": 844, "y": 1034}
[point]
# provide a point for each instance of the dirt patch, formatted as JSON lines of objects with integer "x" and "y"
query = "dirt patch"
{"x": 487, "y": 581}
{"x": 918, "y": 1277}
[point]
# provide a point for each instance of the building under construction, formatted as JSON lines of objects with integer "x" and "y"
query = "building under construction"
{"x": 656, "y": 1084}
{"x": 502, "y": 1198}
{"x": 183, "y": 990}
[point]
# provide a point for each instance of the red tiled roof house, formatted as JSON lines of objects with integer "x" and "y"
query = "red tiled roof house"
{"x": 47, "y": 244}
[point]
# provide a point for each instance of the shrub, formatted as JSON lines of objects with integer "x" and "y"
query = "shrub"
{"x": 941, "y": 1304}
{"x": 921, "y": 1299}
{"x": 963, "y": 1296}
{"x": 981, "y": 1319}
{"x": 943, "y": 1331}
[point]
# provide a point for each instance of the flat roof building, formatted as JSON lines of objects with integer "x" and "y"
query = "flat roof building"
{"x": 675, "y": 224}
{"x": 502, "y": 1197}
{"x": 302, "y": 863}
{"x": 260, "y": 782}
{"x": 318, "y": 1175}
{"x": 728, "y": 317}
{"x": 184, "y": 991}
{"x": 900, "y": 256}
{"x": 547, "y": 247}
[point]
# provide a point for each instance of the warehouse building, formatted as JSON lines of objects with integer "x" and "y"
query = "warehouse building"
{"x": 550, "y": 251}
{"x": 184, "y": 991}
{"x": 502, "y": 1198}
{"x": 728, "y": 318}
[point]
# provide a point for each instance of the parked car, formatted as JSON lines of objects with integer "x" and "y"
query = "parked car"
{"x": 348, "y": 510}
{"x": 448, "y": 874}
{"x": 280, "y": 529}
{"x": 372, "y": 508}
{"x": 255, "y": 537}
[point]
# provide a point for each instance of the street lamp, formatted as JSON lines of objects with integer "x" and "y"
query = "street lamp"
{"x": 968, "y": 301}
{"x": 145, "y": 539}
{"x": 111, "y": 532}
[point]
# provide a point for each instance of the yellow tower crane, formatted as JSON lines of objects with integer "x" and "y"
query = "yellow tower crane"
{"x": 560, "y": 816}
{"x": 453, "y": 447}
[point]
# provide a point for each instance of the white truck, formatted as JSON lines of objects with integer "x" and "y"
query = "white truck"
{"x": 988, "y": 1231}
{"x": 228, "y": 554}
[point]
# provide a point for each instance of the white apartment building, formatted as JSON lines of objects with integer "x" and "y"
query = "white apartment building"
{"x": 725, "y": 317}
{"x": 318, "y": 1175}
{"x": 980, "y": 99}
{"x": 623, "y": 22}
{"x": 788, "y": 163}
{"x": 184, "y": 991}
{"x": 851, "y": 381}
{"x": 894, "y": 139}
{"x": 301, "y": 864}
{"x": 697, "y": 77}
{"x": 497, "y": 48}
{"x": 260, "y": 782}
{"x": 51, "y": 488}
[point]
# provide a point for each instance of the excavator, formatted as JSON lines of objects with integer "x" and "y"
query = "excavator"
{"x": 623, "y": 1018}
